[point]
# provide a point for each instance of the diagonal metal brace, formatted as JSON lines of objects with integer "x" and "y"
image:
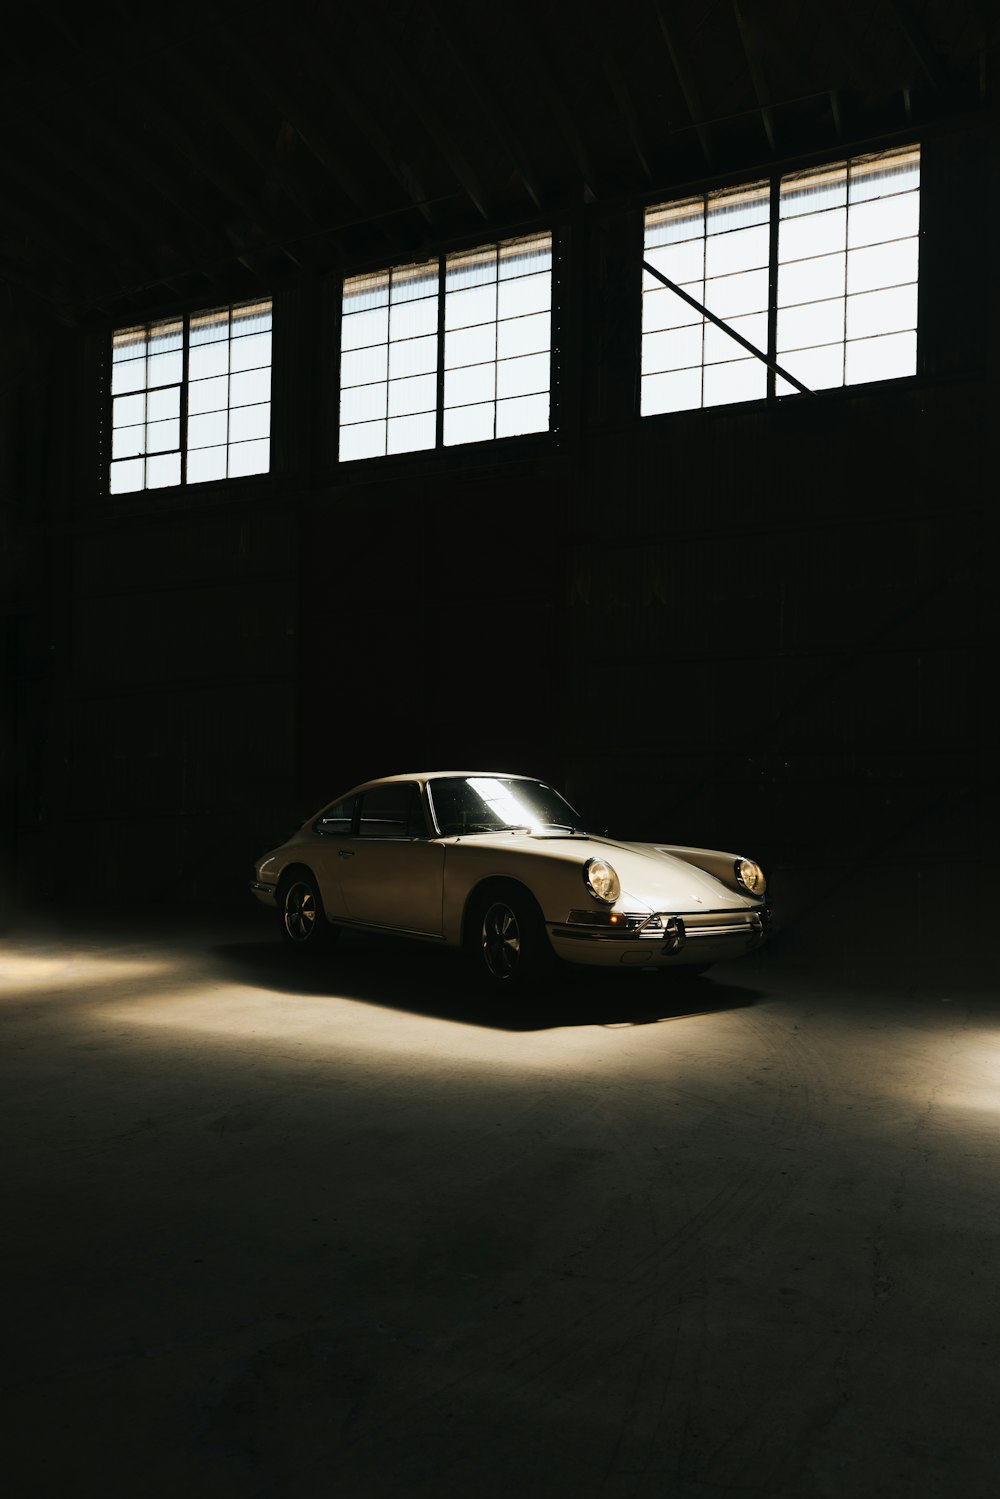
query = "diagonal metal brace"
{"x": 772, "y": 364}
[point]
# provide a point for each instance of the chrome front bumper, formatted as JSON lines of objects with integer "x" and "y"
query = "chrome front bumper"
{"x": 264, "y": 893}
{"x": 641, "y": 938}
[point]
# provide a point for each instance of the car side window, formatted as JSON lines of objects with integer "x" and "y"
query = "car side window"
{"x": 338, "y": 818}
{"x": 392, "y": 811}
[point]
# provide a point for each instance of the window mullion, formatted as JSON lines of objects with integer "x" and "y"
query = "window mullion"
{"x": 772, "y": 284}
{"x": 439, "y": 410}
{"x": 185, "y": 345}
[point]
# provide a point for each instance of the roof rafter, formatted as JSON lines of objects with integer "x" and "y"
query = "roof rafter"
{"x": 920, "y": 45}
{"x": 756, "y": 74}
{"x": 494, "y": 111}
{"x": 685, "y": 77}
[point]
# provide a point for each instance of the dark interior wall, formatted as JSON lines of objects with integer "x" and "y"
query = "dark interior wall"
{"x": 751, "y": 626}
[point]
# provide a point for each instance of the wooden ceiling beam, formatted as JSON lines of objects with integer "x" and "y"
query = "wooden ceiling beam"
{"x": 346, "y": 98}
{"x": 919, "y": 43}
{"x": 216, "y": 107}
{"x": 451, "y": 153}
{"x": 685, "y": 77}
{"x": 565, "y": 120}
{"x": 624, "y": 100}
{"x": 756, "y": 75}
{"x": 497, "y": 116}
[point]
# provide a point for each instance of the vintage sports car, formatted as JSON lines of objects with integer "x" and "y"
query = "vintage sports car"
{"x": 502, "y": 865}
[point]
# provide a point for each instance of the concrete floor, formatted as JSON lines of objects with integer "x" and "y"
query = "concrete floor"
{"x": 351, "y": 1233}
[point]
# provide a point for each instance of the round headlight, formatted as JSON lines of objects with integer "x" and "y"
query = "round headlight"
{"x": 750, "y": 876}
{"x": 601, "y": 880}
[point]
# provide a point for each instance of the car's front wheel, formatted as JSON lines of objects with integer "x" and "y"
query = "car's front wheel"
{"x": 304, "y": 927}
{"x": 509, "y": 940}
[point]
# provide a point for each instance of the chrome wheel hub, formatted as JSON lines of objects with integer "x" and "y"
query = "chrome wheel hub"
{"x": 300, "y": 913}
{"x": 501, "y": 940}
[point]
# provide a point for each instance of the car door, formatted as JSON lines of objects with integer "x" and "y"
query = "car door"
{"x": 394, "y": 874}
{"x": 331, "y": 852}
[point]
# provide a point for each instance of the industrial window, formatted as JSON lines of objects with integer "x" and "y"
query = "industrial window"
{"x": 447, "y": 351}
{"x": 817, "y": 269}
{"x": 191, "y": 398}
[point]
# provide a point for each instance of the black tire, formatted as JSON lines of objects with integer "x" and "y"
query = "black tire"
{"x": 301, "y": 917}
{"x": 508, "y": 940}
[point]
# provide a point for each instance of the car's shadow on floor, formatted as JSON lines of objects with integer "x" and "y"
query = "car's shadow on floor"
{"x": 401, "y": 975}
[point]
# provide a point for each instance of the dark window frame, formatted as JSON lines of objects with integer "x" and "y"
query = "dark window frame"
{"x": 772, "y": 179}
{"x": 450, "y": 452}
{"x": 109, "y": 396}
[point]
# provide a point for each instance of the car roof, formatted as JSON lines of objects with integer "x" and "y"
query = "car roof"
{"x": 434, "y": 775}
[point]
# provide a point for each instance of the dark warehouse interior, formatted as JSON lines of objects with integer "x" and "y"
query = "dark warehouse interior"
{"x": 356, "y": 1228}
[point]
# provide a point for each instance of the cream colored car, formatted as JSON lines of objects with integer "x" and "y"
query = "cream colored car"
{"x": 504, "y": 866}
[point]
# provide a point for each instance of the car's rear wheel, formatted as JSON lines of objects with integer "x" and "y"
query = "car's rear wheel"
{"x": 304, "y": 927}
{"x": 509, "y": 941}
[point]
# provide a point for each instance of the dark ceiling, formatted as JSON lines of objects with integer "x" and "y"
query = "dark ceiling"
{"x": 176, "y": 155}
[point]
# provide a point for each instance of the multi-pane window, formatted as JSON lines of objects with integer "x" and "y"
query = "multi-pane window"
{"x": 389, "y": 361}
{"x": 716, "y": 247}
{"x": 843, "y": 279}
{"x": 147, "y": 375}
{"x": 847, "y": 271}
{"x": 498, "y": 341}
{"x": 191, "y": 398}
{"x": 447, "y": 351}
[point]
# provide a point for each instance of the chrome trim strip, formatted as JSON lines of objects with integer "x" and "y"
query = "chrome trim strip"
{"x": 381, "y": 926}
{"x": 260, "y": 885}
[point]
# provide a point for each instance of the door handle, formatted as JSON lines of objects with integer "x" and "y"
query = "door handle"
{"x": 345, "y": 853}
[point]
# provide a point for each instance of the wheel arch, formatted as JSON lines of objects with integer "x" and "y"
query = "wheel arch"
{"x": 493, "y": 885}
{"x": 289, "y": 873}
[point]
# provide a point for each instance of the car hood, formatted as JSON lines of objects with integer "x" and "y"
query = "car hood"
{"x": 651, "y": 877}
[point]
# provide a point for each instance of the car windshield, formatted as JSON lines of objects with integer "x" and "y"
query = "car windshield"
{"x": 495, "y": 804}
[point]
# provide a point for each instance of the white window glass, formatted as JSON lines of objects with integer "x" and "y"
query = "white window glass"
{"x": 389, "y": 360}
{"x": 249, "y": 458}
{"x": 813, "y": 280}
{"x": 663, "y": 309}
{"x": 412, "y": 356}
{"x": 365, "y": 439}
{"x": 847, "y": 273}
{"x": 204, "y": 464}
{"x": 163, "y": 470}
{"x": 881, "y": 358}
{"x": 249, "y": 387}
{"x": 818, "y": 369}
{"x": 470, "y": 346}
{"x": 128, "y": 442}
{"x": 252, "y": 352}
{"x": 470, "y": 423}
{"x": 498, "y": 340}
{"x": 716, "y": 248}
{"x": 524, "y": 414}
{"x": 249, "y": 421}
{"x": 523, "y": 377}
{"x": 408, "y": 434}
{"x": 407, "y": 397}
{"x": 844, "y": 282}
{"x": 203, "y": 368}
{"x": 730, "y": 296}
{"x": 679, "y": 390}
{"x": 127, "y": 476}
{"x": 364, "y": 403}
{"x": 470, "y": 384}
{"x": 674, "y": 349}
{"x": 147, "y": 365}
{"x": 364, "y": 366}
{"x": 493, "y": 324}
{"x": 719, "y": 347}
{"x": 739, "y": 380}
{"x": 208, "y": 395}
